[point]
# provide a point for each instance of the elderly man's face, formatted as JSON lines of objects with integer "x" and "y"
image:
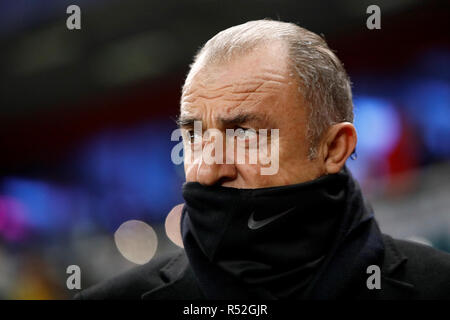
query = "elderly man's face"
{"x": 256, "y": 91}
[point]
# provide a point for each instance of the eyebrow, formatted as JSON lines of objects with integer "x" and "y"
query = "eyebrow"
{"x": 234, "y": 120}
{"x": 186, "y": 121}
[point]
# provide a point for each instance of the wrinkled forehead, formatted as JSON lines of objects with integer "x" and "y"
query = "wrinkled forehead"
{"x": 227, "y": 95}
{"x": 225, "y": 92}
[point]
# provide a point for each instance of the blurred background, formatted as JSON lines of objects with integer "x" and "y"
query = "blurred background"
{"x": 86, "y": 117}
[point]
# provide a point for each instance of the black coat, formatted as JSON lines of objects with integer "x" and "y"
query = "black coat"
{"x": 408, "y": 271}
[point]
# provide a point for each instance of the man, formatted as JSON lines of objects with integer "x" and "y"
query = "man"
{"x": 301, "y": 232}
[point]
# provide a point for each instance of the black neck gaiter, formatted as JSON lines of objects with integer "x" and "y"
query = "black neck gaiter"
{"x": 263, "y": 243}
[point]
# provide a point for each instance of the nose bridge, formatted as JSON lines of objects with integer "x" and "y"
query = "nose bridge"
{"x": 215, "y": 169}
{"x": 207, "y": 174}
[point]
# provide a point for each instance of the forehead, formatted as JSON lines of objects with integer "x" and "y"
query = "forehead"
{"x": 256, "y": 80}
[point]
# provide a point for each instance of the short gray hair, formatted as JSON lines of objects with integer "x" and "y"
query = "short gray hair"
{"x": 323, "y": 81}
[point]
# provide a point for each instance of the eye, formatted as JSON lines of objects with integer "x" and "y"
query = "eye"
{"x": 246, "y": 133}
{"x": 193, "y": 136}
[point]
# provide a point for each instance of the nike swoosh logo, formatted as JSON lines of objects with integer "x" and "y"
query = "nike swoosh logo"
{"x": 253, "y": 224}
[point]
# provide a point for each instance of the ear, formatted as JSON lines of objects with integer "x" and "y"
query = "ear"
{"x": 338, "y": 144}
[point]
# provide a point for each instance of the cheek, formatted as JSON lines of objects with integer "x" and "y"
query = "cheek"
{"x": 252, "y": 177}
{"x": 251, "y": 174}
{"x": 294, "y": 147}
{"x": 247, "y": 170}
{"x": 294, "y": 164}
{"x": 296, "y": 167}
{"x": 290, "y": 151}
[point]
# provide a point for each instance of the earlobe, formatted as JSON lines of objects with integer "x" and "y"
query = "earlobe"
{"x": 340, "y": 142}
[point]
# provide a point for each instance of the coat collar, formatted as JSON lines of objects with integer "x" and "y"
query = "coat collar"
{"x": 180, "y": 282}
{"x": 395, "y": 282}
{"x": 393, "y": 257}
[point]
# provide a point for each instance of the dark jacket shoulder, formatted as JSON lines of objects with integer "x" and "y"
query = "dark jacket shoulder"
{"x": 424, "y": 269}
{"x": 133, "y": 283}
{"x": 409, "y": 271}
